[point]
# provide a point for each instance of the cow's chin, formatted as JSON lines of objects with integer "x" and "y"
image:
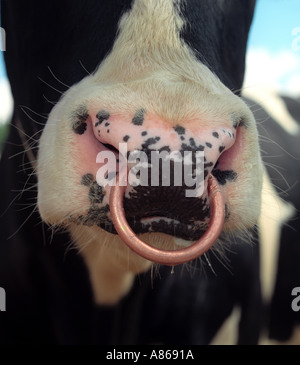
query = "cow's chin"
{"x": 160, "y": 232}
{"x": 119, "y": 255}
{"x": 112, "y": 266}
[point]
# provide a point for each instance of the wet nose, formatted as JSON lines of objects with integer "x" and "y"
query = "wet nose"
{"x": 165, "y": 163}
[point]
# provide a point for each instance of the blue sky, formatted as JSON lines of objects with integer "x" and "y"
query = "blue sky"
{"x": 273, "y": 57}
{"x": 273, "y": 23}
{"x": 1, "y": 66}
{"x": 2, "y": 73}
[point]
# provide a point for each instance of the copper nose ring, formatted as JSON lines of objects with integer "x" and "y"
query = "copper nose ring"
{"x": 169, "y": 257}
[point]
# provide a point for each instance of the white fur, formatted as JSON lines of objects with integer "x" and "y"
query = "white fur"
{"x": 275, "y": 213}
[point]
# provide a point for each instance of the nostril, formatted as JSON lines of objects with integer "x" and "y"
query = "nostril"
{"x": 110, "y": 147}
{"x": 225, "y": 167}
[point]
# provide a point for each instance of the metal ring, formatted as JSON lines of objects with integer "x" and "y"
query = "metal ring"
{"x": 169, "y": 257}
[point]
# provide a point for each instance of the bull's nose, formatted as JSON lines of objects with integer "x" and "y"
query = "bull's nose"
{"x": 159, "y": 155}
{"x": 168, "y": 169}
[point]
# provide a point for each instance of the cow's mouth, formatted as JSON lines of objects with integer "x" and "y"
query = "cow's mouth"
{"x": 190, "y": 231}
{"x": 167, "y": 225}
{"x": 173, "y": 226}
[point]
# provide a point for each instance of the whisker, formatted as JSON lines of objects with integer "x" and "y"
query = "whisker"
{"x": 81, "y": 64}
{"x": 209, "y": 263}
{"x": 51, "y": 87}
{"x": 23, "y": 152}
{"x": 49, "y": 101}
{"x": 56, "y": 78}
{"x": 22, "y": 224}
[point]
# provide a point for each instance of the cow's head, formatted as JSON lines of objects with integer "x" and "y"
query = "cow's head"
{"x": 167, "y": 87}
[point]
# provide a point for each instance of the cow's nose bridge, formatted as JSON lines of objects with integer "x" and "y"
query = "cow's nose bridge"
{"x": 142, "y": 133}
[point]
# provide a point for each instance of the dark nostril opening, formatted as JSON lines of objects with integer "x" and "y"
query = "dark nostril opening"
{"x": 216, "y": 165}
{"x": 110, "y": 147}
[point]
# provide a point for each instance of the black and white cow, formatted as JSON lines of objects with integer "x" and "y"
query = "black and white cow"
{"x": 157, "y": 75}
{"x": 278, "y": 120}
